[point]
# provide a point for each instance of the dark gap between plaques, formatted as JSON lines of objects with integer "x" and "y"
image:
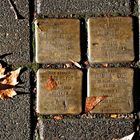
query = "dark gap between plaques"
{"x": 136, "y": 101}
{"x": 84, "y": 89}
{"x": 137, "y": 133}
{"x": 83, "y": 47}
{"x": 136, "y": 91}
{"x": 136, "y": 38}
{"x": 33, "y": 116}
{"x": 83, "y": 40}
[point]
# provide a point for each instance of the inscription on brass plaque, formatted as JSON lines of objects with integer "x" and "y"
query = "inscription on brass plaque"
{"x": 59, "y": 91}
{"x": 57, "y": 40}
{"x": 117, "y": 84}
{"x": 110, "y": 39}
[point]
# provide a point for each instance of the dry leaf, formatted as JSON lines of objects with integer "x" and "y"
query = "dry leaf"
{"x": 50, "y": 84}
{"x": 7, "y": 93}
{"x": 2, "y": 70}
{"x": 92, "y": 101}
{"x": 129, "y": 137}
{"x": 58, "y": 117}
{"x": 76, "y": 64}
{"x": 9, "y": 80}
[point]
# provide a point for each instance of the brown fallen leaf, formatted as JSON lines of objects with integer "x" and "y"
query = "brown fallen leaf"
{"x": 11, "y": 78}
{"x": 58, "y": 117}
{"x": 92, "y": 101}
{"x": 7, "y": 82}
{"x": 4, "y": 94}
{"x": 2, "y": 70}
{"x": 129, "y": 137}
{"x": 50, "y": 84}
{"x": 76, "y": 64}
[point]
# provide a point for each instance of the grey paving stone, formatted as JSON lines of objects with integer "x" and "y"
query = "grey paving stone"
{"x": 15, "y": 118}
{"x": 15, "y": 45}
{"x": 84, "y": 129}
{"x": 15, "y": 112}
{"x": 84, "y": 7}
{"x": 14, "y": 33}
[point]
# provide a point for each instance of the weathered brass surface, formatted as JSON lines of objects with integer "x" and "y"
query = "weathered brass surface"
{"x": 57, "y": 40}
{"x": 110, "y": 39}
{"x": 59, "y": 91}
{"x": 117, "y": 84}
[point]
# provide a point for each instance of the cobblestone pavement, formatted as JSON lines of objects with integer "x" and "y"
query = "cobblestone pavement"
{"x": 18, "y": 117}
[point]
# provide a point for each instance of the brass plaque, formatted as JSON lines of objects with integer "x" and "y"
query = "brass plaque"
{"x": 110, "y": 39}
{"x": 59, "y": 91}
{"x": 57, "y": 40}
{"x": 117, "y": 84}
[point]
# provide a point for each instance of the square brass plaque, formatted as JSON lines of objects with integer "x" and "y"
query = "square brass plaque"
{"x": 57, "y": 40}
{"x": 110, "y": 39}
{"x": 117, "y": 84}
{"x": 59, "y": 91}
